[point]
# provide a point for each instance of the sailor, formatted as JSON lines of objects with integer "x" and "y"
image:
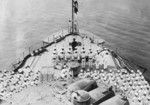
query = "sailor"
{"x": 139, "y": 101}
{"x": 74, "y": 44}
{"x": 55, "y": 53}
{"x": 95, "y": 72}
{"x": 70, "y": 74}
{"x": 84, "y": 74}
{"x": 105, "y": 80}
{"x": 62, "y": 54}
{"x": 97, "y": 62}
{"x": 110, "y": 72}
{"x": 83, "y": 57}
{"x": 65, "y": 66}
{"x": 75, "y": 55}
{"x": 68, "y": 55}
{"x": 96, "y": 75}
{"x": 147, "y": 101}
{"x": 5, "y": 71}
{"x": 55, "y": 57}
{"x": 88, "y": 73}
{"x": 144, "y": 96}
{"x": 20, "y": 70}
{"x": 132, "y": 92}
{"x": 64, "y": 73}
{"x": 90, "y": 55}
{"x": 80, "y": 75}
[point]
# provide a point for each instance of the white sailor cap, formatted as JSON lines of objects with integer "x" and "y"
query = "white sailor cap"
{"x": 88, "y": 70}
{"x": 40, "y": 49}
{"x": 5, "y": 71}
{"x": 142, "y": 77}
{"x": 132, "y": 71}
{"x": 137, "y": 74}
{"x": 36, "y": 51}
{"x": 118, "y": 71}
{"x": 140, "y": 73}
{"x": 105, "y": 48}
{"x": 65, "y": 66}
{"x": 115, "y": 84}
{"x": 128, "y": 79}
{"x": 145, "y": 92}
{"x": 139, "y": 99}
{"x": 133, "y": 87}
{"x": 133, "y": 75}
{"x": 110, "y": 70}
{"x": 126, "y": 71}
{"x": 81, "y": 70}
{"x": 139, "y": 83}
{"x": 121, "y": 77}
{"x": 104, "y": 78}
{"x": 32, "y": 54}
{"x": 125, "y": 88}
{"x": 136, "y": 94}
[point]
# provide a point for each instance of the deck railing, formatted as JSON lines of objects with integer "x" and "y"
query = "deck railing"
{"x": 50, "y": 39}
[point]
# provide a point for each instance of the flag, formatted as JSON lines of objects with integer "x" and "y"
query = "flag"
{"x": 75, "y": 5}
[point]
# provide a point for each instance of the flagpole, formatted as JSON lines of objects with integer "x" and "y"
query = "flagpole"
{"x": 72, "y": 16}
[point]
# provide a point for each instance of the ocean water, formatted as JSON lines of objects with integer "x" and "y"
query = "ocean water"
{"x": 124, "y": 24}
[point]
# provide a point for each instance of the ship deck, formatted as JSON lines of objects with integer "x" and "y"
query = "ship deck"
{"x": 52, "y": 90}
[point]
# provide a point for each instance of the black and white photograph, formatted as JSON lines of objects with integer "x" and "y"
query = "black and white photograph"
{"x": 74, "y": 52}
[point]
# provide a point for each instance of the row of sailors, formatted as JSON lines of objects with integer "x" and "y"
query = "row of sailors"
{"x": 133, "y": 86}
{"x": 71, "y": 55}
{"x": 76, "y": 55}
{"x": 13, "y": 83}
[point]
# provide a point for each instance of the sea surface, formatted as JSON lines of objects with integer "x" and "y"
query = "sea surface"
{"x": 124, "y": 24}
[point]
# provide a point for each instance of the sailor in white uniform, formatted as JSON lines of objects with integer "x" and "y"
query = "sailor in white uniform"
{"x": 90, "y": 55}
{"x": 68, "y": 55}
{"x": 88, "y": 73}
{"x": 64, "y": 73}
{"x": 55, "y": 57}
{"x": 75, "y": 55}
{"x": 62, "y": 55}
{"x": 55, "y": 53}
{"x": 97, "y": 62}
{"x": 83, "y": 57}
{"x": 80, "y": 75}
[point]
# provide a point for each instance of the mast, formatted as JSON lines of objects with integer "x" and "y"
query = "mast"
{"x": 72, "y": 16}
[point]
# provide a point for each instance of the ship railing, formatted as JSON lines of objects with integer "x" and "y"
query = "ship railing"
{"x": 24, "y": 54}
{"x": 95, "y": 38}
{"x": 125, "y": 62}
{"x": 55, "y": 36}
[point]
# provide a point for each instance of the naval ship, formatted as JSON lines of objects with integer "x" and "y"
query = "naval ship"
{"x": 73, "y": 67}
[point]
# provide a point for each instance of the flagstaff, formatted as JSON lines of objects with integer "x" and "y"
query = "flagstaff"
{"x": 74, "y": 10}
{"x": 72, "y": 16}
